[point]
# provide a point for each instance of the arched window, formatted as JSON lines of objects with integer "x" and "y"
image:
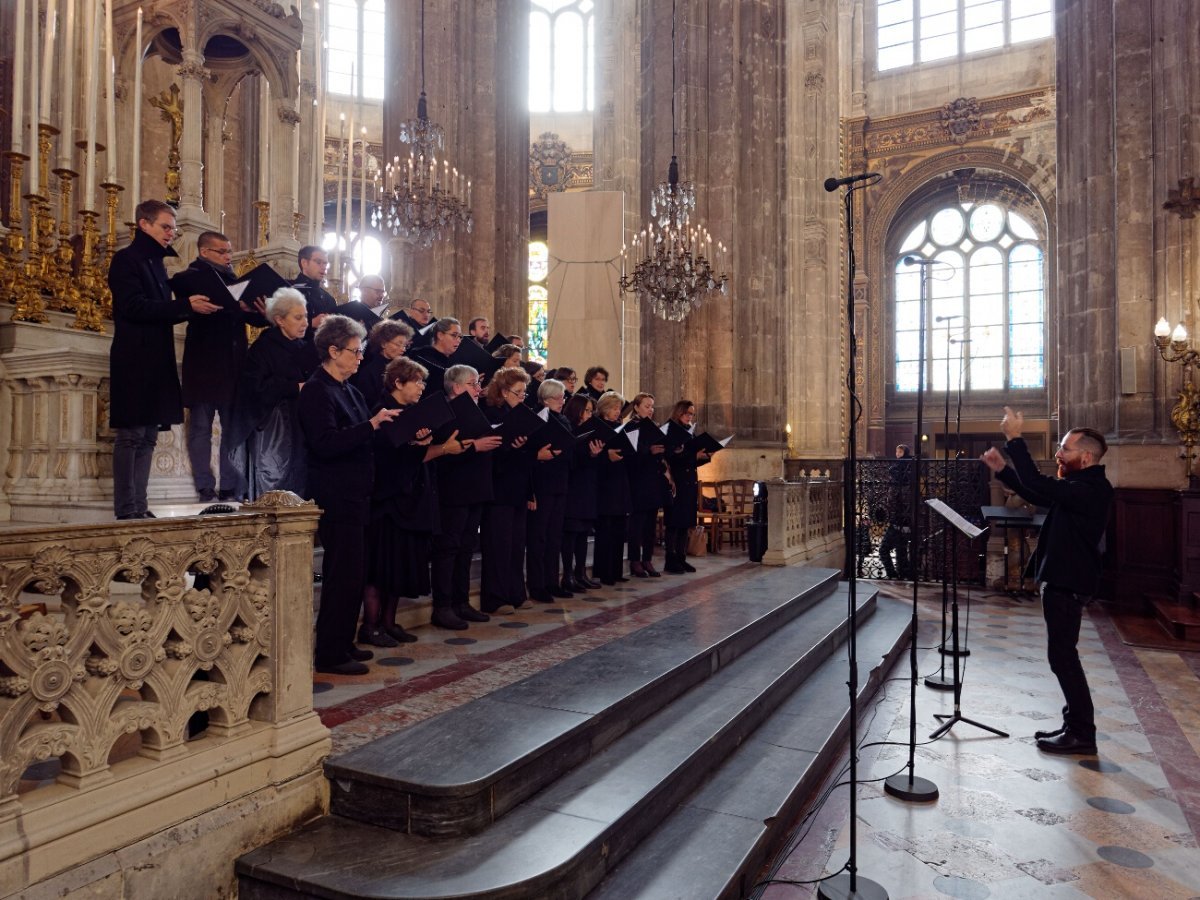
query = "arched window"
{"x": 561, "y": 55}
{"x": 354, "y": 37}
{"x": 917, "y": 31}
{"x": 985, "y": 319}
{"x": 364, "y": 257}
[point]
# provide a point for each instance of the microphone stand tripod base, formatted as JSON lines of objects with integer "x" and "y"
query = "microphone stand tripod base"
{"x": 912, "y": 788}
{"x": 838, "y": 888}
{"x": 939, "y": 683}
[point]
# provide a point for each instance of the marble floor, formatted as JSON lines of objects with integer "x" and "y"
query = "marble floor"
{"x": 1010, "y": 822}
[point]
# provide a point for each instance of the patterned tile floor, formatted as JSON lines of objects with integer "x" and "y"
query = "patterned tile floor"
{"x": 1012, "y": 822}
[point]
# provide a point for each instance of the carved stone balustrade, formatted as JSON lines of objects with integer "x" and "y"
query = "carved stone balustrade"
{"x": 152, "y": 672}
{"x": 804, "y": 521}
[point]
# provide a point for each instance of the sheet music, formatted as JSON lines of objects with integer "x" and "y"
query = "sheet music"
{"x": 544, "y": 415}
{"x": 725, "y": 443}
{"x": 971, "y": 531}
{"x": 237, "y": 289}
{"x": 633, "y": 437}
{"x": 665, "y": 426}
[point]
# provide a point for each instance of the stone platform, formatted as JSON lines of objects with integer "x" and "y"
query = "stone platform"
{"x": 696, "y": 738}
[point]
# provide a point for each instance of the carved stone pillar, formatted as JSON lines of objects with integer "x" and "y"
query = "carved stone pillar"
{"x": 192, "y": 75}
{"x": 283, "y": 170}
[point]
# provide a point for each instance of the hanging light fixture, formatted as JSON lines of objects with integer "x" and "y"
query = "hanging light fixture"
{"x": 424, "y": 197}
{"x": 673, "y": 259}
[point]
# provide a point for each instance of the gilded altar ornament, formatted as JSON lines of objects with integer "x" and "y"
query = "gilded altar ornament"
{"x": 91, "y": 282}
{"x": 1173, "y": 347}
{"x": 15, "y": 239}
{"x": 264, "y": 221}
{"x": 170, "y": 104}
{"x": 67, "y": 294}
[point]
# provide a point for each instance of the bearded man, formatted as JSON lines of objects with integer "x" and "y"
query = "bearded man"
{"x": 1067, "y": 561}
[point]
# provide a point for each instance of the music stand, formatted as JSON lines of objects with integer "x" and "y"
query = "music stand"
{"x": 972, "y": 532}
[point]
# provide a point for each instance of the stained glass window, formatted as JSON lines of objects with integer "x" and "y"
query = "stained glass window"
{"x": 984, "y": 325}
{"x": 539, "y": 301}
{"x": 913, "y": 31}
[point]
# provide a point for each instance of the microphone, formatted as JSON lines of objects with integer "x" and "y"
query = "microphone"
{"x": 920, "y": 261}
{"x": 946, "y": 318}
{"x": 832, "y": 184}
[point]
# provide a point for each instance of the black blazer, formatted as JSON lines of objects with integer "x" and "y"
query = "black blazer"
{"x": 581, "y": 484}
{"x": 613, "y": 497}
{"x": 369, "y": 377}
{"x": 512, "y": 469}
{"x": 680, "y": 511}
{"x": 405, "y": 492}
{"x": 647, "y": 474}
{"x": 552, "y": 476}
{"x": 464, "y": 479}
{"x": 143, "y": 377}
{"x": 338, "y": 435}
{"x": 1069, "y": 552}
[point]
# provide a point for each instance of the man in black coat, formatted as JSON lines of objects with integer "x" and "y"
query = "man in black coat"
{"x": 1067, "y": 560}
{"x": 144, "y": 391}
{"x": 313, "y": 262}
{"x": 418, "y": 314}
{"x": 213, "y": 352}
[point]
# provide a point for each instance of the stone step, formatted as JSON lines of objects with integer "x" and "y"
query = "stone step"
{"x": 716, "y": 843}
{"x": 457, "y": 772}
{"x": 561, "y": 842}
{"x": 1180, "y": 620}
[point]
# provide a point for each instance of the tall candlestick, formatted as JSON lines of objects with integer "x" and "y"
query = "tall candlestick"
{"x": 264, "y": 129}
{"x": 349, "y": 172}
{"x": 337, "y": 226}
{"x": 18, "y": 87}
{"x": 91, "y": 90}
{"x": 135, "y": 175}
{"x": 68, "y": 90}
{"x": 48, "y": 60}
{"x": 34, "y": 106}
{"x": 317, "y": 182}
{"x": 110, "y": 96}
{"x": 362, "y": 195}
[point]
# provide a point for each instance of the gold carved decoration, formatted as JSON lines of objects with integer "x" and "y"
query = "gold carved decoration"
{"x": 170, "y": 104}
{"x": 553, "y": 166}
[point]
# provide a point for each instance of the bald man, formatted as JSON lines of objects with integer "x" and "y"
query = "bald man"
{"x": 370, "y": 290}
{"x": 373, "y": 292}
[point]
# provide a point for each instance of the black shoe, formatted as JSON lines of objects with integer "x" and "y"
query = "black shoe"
{"x": 397, "y": 633}
{"x": 349, "y": 667}
{"x": 540, "y": 597}
{"x": 1042, "y": 735}
{"x": 360, "y": 655}
{"x": 608, "y": 582}
{"x": 208, "y": 495}
{"x": 561, "y": 593}
{"x": 376, "y": 637}
{"x": 129, "y": 516}
{"x": 650, "y": 570}
{"x": 687, "y": 567}
{"x": 468, "y": 613}
{"x": 1068, "y": 743}
{"x": 637, "y": 571}
{"x": 571, "y": 585}
{"x": 588, "y": 584}
{"x": 447, "y": 618}
{"x": 146, "y": 514}
{"x": 229, "y": 495}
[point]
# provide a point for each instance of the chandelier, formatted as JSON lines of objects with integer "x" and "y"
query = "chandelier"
{"x": 424, "y": 198}
{"x": 673, "y": 260}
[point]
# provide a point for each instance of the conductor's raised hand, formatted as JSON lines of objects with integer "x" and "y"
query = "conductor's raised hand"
{"x": 993, "y": 460}
{"x": 1012, "y": 424}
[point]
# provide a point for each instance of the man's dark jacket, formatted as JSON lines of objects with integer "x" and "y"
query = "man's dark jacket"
{"x": 143, "y": 376}
{"x": 1068, "y": 554}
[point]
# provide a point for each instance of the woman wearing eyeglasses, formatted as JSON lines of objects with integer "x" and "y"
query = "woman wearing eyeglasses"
{"x": 338, "y": 432}
{"x": 386, "y": 341}
{"x": 502, "y": 533}
{"x": 613, "y": 499}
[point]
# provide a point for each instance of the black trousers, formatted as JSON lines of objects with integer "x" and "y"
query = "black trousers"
{"x": 574, "y": 552}
{"x": 450, "y": 558}
{"x": 543, "y": 542}
{"x": 641, "y": 534}
{"x": 610, "y": 544}
{"x": 1063, "y": 611}
{"x": 894, "y": 539}
{"x": 343, "y": 576}
{"x": 502, "y": 545}
{"x": 676, "y": 542}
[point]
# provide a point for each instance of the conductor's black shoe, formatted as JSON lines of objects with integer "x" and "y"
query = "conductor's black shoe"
{"x": 1067, "y": 744}
{"x": 1042, "y": 735}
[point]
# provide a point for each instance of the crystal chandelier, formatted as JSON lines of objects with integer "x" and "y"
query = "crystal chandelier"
{"x": 673, "y": 260}
{"x": 424, "y": 198}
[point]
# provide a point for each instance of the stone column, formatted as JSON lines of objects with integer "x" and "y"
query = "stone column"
{"x": 192, "y": 75}
{"x": 283, "y": 166}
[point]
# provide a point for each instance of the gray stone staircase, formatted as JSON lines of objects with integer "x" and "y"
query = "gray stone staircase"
{"x": 667, "y": 763}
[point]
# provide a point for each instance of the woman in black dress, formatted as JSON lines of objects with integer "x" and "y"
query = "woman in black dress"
{"x": 550, "y": 482}
{"x": 613, "y": 500}
{"x": 680, "y": 514}
{"x": 267, "y": 438}
{"x": 338, "y": 431}
{"x": 648, "y": 487}
{"x": 580, "y": 513}
{"x": 404, "y": 510}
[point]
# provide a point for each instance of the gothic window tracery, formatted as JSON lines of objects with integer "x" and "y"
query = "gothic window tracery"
{"x": 919, "y": 31}
{"x": 561, "y": 55}
{"x": 985, "y": 317}
{"x": 354, "y": 32}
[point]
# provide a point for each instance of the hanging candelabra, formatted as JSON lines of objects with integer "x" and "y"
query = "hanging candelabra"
{"x": 674, "y": 266}
{"x": 424, "y": 198}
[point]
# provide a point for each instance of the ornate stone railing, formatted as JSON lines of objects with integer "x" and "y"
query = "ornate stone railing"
{"x": 804, "y": 520}
{"x": 112, "y": 639}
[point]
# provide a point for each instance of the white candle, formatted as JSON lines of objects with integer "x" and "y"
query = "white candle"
{"x": 264, "y": 136}
{"x": 362, "y": 195}
{"x": 48, "y": 59}
{"x": 34, "y": 156}
{"x": 91, "y": 90}
{"x": 317, "y": 180}
{"x": 135, "y": 175}
{"x": 337, "y": 227}
{"x": 18, "y": 87}
{"x": 110, "y": 99}
{"x": 68, "y": 90}
{"x": 349, "y": 173}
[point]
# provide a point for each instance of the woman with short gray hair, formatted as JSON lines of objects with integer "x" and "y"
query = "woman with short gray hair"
{"x": 267, "y": 443}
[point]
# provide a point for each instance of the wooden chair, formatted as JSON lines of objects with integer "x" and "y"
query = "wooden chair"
{"x": 735, "y": 500}
{"x": 706, "y": 516}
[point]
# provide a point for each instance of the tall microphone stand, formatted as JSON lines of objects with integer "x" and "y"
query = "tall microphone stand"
{"x": 948, "y": 540}
{"x": 907, "y": 785}
{"x": 848, "y": 886}
{"x": 940, "y": 682}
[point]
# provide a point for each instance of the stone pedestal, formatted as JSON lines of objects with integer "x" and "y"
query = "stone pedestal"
{"x": 586, "y": 310}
